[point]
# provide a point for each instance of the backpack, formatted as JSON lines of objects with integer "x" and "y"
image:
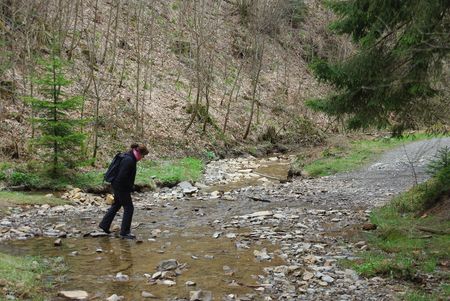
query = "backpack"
{"x": 113, "y": 168}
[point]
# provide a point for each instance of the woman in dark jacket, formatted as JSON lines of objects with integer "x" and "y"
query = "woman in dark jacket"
{"x": 122, "y": 186}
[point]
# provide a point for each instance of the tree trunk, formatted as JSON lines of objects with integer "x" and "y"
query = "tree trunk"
{"x": 259, "y": 51}
{"x": 231, "y": 96}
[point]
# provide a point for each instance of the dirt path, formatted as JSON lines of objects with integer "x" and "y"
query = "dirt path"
{"x": 311, "y": 223}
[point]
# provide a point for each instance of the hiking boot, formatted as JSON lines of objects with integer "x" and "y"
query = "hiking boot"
{"x": 128, "y": 236}
{"x": 104, "y": 229}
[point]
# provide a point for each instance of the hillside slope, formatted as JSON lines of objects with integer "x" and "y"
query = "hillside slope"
{"x": 144, "y": 64}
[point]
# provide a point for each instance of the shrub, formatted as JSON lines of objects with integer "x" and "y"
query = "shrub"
{"x": 304, "y": 131}
{"x": 441, "y": 161}
{"x": 20, "y": 178}
{"x": 270, "y": 134}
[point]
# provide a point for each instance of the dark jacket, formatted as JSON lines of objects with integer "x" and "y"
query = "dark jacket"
{"x": 124, "y": 181}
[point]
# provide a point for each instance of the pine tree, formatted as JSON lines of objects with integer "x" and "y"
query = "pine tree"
{"x": 402, "y": 46}
{"x": 54, "y": 117}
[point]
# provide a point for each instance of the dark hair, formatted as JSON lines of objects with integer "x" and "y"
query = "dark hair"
{"x": 141, "y": 148}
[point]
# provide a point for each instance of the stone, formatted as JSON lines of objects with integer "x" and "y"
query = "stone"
{"x": 262, "y": 255}
{"x": 200, "y": 295}
{"x": 74, "y": 295}
{"x": 190, "y": 283}
{"x": 109, "y": 199}
{"x": 351, "y": 274}
{"x": 359, "y": 244}
{"x": 145, "y": 294}
{"x": 231, "y": 235}
{"x": 369, "y": 227}
{"x": 300, "y": 225}
{"x": 98, "y": 234}
{"x": 166, "y": 265}
{"x": 157, "y": 275}
{"x": 114, "y": 297}
{"x": 217, "y": 234}
{"x": 307, "y": 276}
{"x": 261, "y": 214}
{"x": 156, "y": 232}
{"x": 228, "y": 271}
{"x": 57, "y": 243}
{"x": 187, "y": 188}
{"x": 166, "y": 282}
{"x": 214, "y": 195}
{"x": 327, "y": 278}
{"x": 122, "y": 277}
{"x": 168, "y": 274}
{"x": 310, "y": 259}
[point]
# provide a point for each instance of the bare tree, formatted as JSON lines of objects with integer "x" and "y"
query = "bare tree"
{"x": 235, "y": 84}
{"x": 263, "y": 21}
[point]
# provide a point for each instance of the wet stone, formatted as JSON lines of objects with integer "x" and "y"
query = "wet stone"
{"x": 200, "y": 295}
{"x": 122, "y": 277}
{"x": 98, "y": 234}
{"x": 170, "y": 264}
{"x": 262, "y": 255}
{"x": 166, "y": 282}
{"x": 146, "y": 294}
{"x": 115, "y": 297}
{"x": 74, "y": 295}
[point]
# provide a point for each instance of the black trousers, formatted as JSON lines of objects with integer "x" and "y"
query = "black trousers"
{"x": 120, "y": 199}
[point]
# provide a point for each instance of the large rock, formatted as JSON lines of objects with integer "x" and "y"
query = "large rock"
{"x": 167, "y": 265}
{"x": 187, "y": 188}
{"x": 74, "y": 295}
{"x": 109, "y": 199}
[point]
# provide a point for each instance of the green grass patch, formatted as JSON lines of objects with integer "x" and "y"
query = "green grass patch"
{"x": 22, "y": 277}
{"x": 443, "y": 293}
{"x": 20, "y": 198}
{"x": 166, "y": 172}
{"x": 170, "y": 172}
{"x": 346, "y": 157}
{"x": 422, "y": 196}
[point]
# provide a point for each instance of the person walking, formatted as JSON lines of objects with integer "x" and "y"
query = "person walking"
{"x": 123, "y": 185}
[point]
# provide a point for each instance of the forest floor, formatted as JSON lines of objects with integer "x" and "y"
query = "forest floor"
{"x": 242, "y": 233}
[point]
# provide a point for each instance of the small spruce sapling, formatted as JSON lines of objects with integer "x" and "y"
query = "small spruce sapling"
{"x": 54, "y": 117}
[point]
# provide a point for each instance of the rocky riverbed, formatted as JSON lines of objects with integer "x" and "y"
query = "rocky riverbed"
{"x": 291, "y": 235}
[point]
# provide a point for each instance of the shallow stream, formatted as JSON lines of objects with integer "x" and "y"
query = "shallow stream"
{"x": 215, "y": 265}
